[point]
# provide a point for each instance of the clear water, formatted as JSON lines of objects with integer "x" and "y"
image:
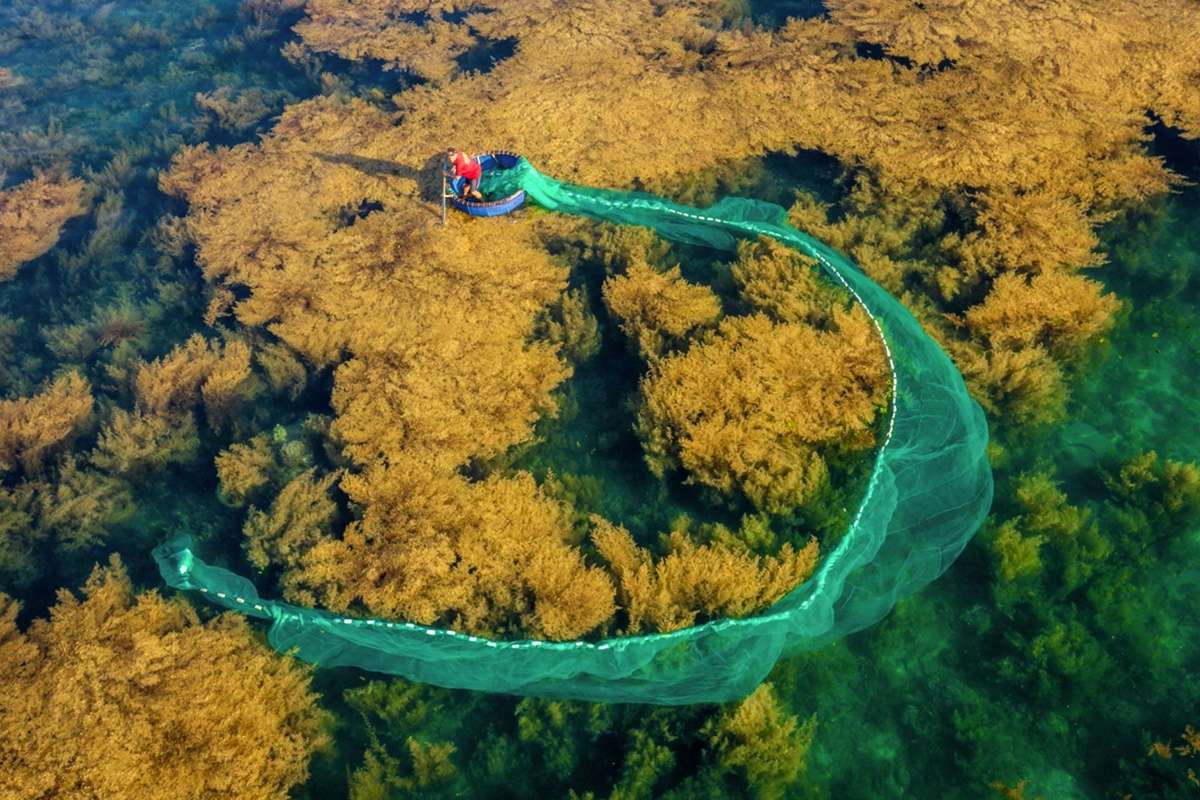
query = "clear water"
{"x": 957, "y": 688}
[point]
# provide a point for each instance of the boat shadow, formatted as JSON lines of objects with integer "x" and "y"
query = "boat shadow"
{"x": 428, "y": 178}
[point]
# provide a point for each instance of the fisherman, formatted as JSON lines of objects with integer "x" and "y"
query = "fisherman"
{"x": 461, "y": 165}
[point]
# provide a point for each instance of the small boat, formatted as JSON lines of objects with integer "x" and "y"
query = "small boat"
{"x": 489, "y": 162}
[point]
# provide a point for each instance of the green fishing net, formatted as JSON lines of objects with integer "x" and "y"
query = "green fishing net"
{"x": 928, "y": 492}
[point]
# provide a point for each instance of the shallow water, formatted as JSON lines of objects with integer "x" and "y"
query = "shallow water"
{"x": 955, "y": 689}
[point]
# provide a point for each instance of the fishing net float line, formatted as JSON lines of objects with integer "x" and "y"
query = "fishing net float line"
{"x": 929, "y": 490}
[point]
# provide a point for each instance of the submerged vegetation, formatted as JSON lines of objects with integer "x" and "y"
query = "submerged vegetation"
{"x": 124, "y": 696}
{"x": 32, "y": 215}
{"x": 228, "y": 309}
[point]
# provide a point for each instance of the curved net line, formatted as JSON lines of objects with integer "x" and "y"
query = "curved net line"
{"x": 929, "y": 489}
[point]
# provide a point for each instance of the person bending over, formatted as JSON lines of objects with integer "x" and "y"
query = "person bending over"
{"x": 461, "y": 165}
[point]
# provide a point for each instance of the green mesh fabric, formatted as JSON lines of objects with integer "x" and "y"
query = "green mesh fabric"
{"x": 928, "y": 492}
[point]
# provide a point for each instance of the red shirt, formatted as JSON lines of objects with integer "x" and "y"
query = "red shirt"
{"x": 467, "y": 167}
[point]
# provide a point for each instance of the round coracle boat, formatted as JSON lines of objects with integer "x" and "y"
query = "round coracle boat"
{"x": 489, "y": 162}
